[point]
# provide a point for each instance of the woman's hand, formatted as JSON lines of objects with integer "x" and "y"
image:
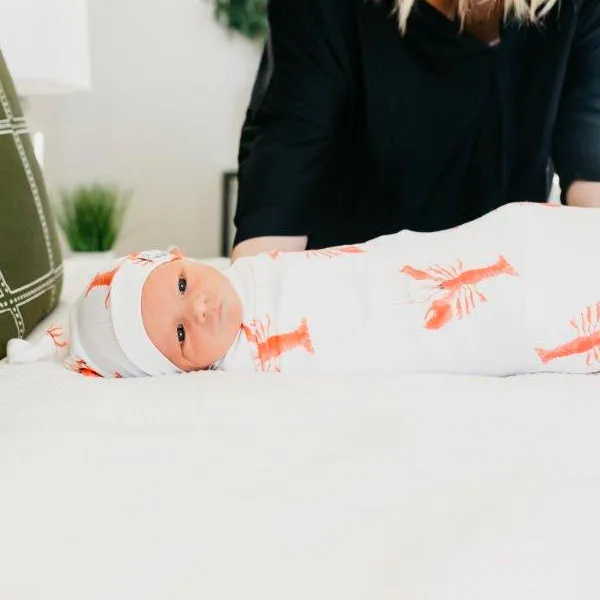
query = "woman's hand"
{"x": 585, "y": 194}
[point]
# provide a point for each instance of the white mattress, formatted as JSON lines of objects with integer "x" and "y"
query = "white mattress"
{"x": 219, "y": 486}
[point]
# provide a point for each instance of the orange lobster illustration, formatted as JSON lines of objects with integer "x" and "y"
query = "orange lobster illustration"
{"x": 325, "y": 252}
{"x": 270, "y": 347}
{"x": 106, "y": 278}
{"x": 587, "y": 341}
{"x": 83, "y": 368}
{"x": 457, "y": 288}
{"x": 56, "y": 333}
{"x": 100, "y": 280}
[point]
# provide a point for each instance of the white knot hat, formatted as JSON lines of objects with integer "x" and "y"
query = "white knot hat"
{"x": 107, "y": 333}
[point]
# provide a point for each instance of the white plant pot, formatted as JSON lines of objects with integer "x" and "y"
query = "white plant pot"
{"x": 106, "y": 256}
{"x": 92, "y": 261}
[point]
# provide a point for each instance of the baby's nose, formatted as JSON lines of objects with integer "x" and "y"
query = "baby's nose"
{"x": 198, "y": 308}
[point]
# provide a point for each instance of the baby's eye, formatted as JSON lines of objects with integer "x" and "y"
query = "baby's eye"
{"x": 181, "y": 285}
{"x": 180, "y": 334}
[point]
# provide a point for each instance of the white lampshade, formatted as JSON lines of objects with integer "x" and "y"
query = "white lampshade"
{"x": 45, "y": 45}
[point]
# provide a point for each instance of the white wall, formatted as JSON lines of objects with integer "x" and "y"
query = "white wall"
{"x": 169, "y": 92}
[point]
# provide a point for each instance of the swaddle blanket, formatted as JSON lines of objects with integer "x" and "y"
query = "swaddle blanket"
{"x": 515, "y": 291}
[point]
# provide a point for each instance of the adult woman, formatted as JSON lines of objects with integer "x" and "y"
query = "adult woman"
{"x": 373, "y": 116}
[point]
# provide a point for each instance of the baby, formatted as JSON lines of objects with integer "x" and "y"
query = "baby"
{"x": 515, "y": 291}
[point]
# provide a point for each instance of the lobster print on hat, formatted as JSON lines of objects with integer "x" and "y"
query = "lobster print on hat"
{"x": 105, "y": 279}
{"x": 56, "y": 333}
{"x": 81, "y": 367}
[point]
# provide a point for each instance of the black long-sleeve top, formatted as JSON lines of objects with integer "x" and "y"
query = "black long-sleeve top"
{"x": 354, "y": 131}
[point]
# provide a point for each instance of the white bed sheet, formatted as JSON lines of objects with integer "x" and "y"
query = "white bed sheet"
{"x": 221, "y": 486}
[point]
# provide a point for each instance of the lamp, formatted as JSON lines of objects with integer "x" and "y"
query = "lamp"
{"x": 45, "y": 45}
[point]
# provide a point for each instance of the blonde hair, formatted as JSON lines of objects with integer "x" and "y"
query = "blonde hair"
{"x": 523, "y": 10}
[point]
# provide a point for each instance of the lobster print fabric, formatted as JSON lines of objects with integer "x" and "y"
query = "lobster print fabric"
{"x": 512, "y": 292}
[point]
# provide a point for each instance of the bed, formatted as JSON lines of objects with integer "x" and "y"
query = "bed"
{"x": 221, "y": 486}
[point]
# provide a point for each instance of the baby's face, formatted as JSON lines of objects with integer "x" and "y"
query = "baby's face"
{"x": 191, "y": 313}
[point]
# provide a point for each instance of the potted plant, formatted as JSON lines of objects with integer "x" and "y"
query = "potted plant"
{"x": 248, "y": 17}
{"x": 91, "y": 217}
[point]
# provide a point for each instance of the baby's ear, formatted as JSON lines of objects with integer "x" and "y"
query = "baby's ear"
{"x": 176, "y": 251}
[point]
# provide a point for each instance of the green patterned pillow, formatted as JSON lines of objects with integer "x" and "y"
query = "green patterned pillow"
{"x": 30, "y": 257}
